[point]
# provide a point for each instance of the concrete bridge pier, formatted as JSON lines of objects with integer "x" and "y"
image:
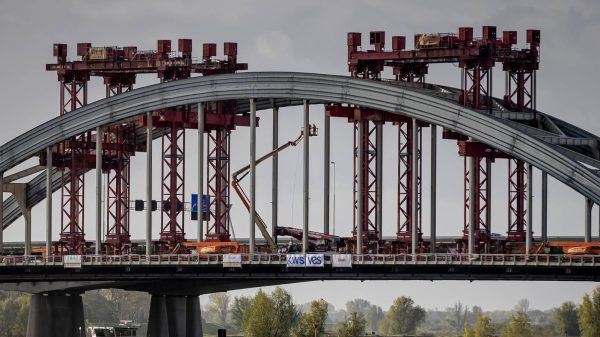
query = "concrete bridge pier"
{"x": 174, "y": 316}
{"x": 56, "y": 315}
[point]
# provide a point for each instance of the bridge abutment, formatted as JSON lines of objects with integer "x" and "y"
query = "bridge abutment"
{"x": 56, "y": 315}
{"x": 174, "y": 316}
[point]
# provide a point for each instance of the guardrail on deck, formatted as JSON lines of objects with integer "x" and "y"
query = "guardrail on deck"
{"x": 281, "y": 259}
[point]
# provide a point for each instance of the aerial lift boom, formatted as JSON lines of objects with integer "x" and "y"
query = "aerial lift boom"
{"x": 240, "y": 174}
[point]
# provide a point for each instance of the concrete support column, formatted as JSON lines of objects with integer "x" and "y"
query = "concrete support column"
{"x": 305, "y": 179}
{"x": 37, "y": 321}
{"x": 177, "y": 316}
{"x": 472, "y": 210}
{"x": 158, "y": 324}
{"x": 360, "y": 196}
{"x": 149, "y": 183}
{"x": 433, "y": 191}
{"x": 174, "y": 316}
{"x": 544, "y": 207}
{"x": 99, "y": 137}
{"x": 275, "y": 172}
{"x": 56, "y": 315}
{"x": 529, "y": 229}
{"x": 379, "y": 186}
{"x": 49, "y": 201}
{"x": 252, "y": 174}
{"x": 326, "y": 160}
{"x": 200, "y": 170}
{"x": 414, "y": 185}
{"x": 194, "y": 317}
{"x": 78, "y": 322}
{"x": 588, "y": 219}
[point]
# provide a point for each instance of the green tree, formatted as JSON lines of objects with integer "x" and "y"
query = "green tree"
{"x": 316, "y": 316}
{"x": 13, "y": 315}
{"x": 128, "y": 305}
{"x": 519, "y": 326}
{"x": 97, "y": 309}
{"x": 270, "y": 315}
{"x": 352, "y": 326}
{"x": 217, "y": 308}
{"x": 476, "y": 311}
{"x": 468, "y": 331}
{"x": 239, "y": 306}
{"x": 565, "y": 319}
{"x": 403, "y": 317}
{"x": 372, "y": 313}
{"x": 459, "y": 316}
{"x": 522, "y": 305}
{"x": 258, "y": 320}
{"x": 589, "y": 312}
{"x": 109, "y": 306}
{"x": 484, "y": 327}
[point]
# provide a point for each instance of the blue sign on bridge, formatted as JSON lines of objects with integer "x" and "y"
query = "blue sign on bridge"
{"x": 205, "y": 205}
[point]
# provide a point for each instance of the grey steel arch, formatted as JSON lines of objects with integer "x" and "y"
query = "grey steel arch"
{"x": 290, "y": 89}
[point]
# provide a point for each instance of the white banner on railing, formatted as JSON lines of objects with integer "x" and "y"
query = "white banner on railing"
{"x": 296, "y": 260}
{"x": 315, "y": 260}
{"x": 72, "y": 261}
{"x": 342, "y": 260}
{"x": 232, "y": 260}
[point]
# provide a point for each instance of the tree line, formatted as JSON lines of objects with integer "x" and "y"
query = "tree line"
{"x": 276, "y": 314}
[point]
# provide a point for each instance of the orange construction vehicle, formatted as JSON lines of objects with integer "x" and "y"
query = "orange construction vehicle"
{"x": 231, "y": 247}
{"x": 38, "y": 251}
{"x": 574, "y": 248}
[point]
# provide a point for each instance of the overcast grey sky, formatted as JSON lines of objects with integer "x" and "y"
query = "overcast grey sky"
{"x": 310, "y": 36}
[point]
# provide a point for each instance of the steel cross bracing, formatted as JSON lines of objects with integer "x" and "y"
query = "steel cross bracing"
{"x": 118, "y": 67}
{"x": 524, "y": 140}
{"x": 368, "y": 145}
{"x": 219, "y": 173}
{"x": 119, "y": 143}
{"x": 482, "y": 185}
{"x": 71, "y": 157}
{"x": 517, "y": 193}
{"x": 405, "y": 188}
{"x": 172, "y": 230}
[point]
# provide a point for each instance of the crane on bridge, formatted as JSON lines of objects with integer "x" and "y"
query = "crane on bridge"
{"x": 240, "y": 174}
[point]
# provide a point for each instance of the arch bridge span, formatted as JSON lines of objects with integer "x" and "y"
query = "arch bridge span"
{"x": 569, "y": 154}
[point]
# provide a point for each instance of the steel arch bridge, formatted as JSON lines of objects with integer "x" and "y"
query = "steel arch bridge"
{"x": 568, "y": 153}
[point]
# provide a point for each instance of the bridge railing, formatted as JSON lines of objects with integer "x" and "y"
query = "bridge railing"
{"x": 281, "y": 259}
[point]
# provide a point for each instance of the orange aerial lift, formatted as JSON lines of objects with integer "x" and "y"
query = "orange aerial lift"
{"x": 238, "y": 175}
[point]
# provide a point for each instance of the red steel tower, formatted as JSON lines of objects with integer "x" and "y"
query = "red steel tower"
{"x": 119, "y": 67}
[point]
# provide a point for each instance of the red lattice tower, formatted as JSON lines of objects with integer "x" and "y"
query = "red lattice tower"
{"x": 369, "y": 172}
{"x": 119, "y": 144}
{"x": 172, "y": 230}
{"x": 368, "y": 65}
{"x": 405, "y": 188}
{"x": 71, "y": 158}
{"x": 517, "y": 193}
{"x": 477, "y": 72}
{"x": 482, "y": 187}
{"x": 218, "y": 172}
{"x": 520, "y": 96}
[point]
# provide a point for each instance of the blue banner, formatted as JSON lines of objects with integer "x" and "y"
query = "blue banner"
{"x": 296, "y": 260}
{"x": 205, "y": 202}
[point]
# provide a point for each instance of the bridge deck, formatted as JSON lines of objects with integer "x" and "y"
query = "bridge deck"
{"x": 281, "y": 259}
